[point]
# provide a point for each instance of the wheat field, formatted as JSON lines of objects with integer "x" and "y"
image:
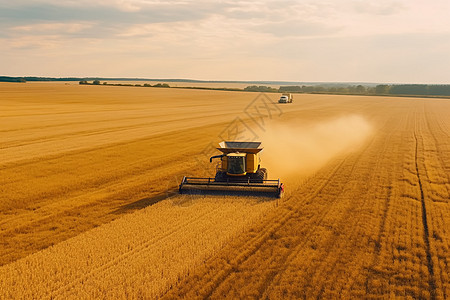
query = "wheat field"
{"x": 89, "y": 209}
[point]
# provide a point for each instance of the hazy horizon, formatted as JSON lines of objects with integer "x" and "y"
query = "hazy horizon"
{"x": 387, "y": 41}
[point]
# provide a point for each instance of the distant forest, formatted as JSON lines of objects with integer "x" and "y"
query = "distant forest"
{"x": 317, "y": 88}
{"x": 381, "y": 89}
{"x": 25, "y": 79}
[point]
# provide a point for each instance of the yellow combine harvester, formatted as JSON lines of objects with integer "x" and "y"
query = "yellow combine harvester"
{"x": 238, "y": 171}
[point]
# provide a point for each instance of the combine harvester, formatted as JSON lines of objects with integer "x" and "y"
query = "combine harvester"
{"x": 286, "y": 98}
{"x": 238, "y": 171}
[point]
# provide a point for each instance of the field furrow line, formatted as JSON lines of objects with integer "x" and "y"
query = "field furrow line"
{"x": 70, "y": 112}
{"x": 389, "y": 141}
{"x": 71, "y": 195}
{"x": 98, "y": 148}
{"x": 426, "y": 235}
{"x": 68, "y": 135}
{"x": 273, "y": 278}
{"x": 348, "y": 221}
{"x": 437, "y": 189}
{"x": 332, "y": 254}
{"x": 144, "y": 114}
{"x": 437, "y": 144}
{"x": 78, "y": 123}
{"x": 109, "y": 129}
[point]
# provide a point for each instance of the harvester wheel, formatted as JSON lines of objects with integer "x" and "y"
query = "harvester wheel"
{"x": 220, "y": 176}
{"x": 261, "y": 175}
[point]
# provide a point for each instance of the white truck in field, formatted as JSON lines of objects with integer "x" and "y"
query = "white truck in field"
{"x": 286, "y": 98}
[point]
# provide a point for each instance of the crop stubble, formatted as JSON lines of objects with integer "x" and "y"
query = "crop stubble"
{"x": 373, "y": 222}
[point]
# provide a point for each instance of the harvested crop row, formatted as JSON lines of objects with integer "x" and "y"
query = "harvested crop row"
{"x": 434, "y": 148}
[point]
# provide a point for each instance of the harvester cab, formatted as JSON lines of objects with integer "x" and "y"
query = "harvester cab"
{"x": 235, "y": 163}
{"x": 238, "y": 170}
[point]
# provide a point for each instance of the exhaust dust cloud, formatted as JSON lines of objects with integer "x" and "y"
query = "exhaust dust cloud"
{"x": 299, "y": 150}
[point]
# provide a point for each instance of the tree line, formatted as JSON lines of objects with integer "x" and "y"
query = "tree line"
{"x": 12, "y": 79}
{"x": 97, "y": 82}
{"x": 381, "y": 89}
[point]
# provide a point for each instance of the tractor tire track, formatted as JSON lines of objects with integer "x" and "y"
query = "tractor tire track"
{"x": 426, "y": 234}
{"x": 437, "y": 143}
{"x": 349, "y": 214}
{"x": 274, "y": 278}
{"x": 437, "y": 150}
{"x": 387, "y": 204}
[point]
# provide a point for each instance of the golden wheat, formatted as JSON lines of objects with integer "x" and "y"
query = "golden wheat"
{"x": 138, "y": 255}
{"x": 372, "y": 222}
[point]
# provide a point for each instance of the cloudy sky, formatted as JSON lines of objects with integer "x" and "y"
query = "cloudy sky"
{"x": 392, "y": 41}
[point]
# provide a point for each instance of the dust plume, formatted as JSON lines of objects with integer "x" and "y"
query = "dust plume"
{"x": 301, "y": 150}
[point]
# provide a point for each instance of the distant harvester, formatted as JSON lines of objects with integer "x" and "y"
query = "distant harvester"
{"x": 286, "y": 98}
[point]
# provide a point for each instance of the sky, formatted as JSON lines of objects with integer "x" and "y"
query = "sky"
{"x": 383, "y": 41}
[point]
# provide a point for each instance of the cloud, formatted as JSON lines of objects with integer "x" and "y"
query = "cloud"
{"x": 53, "y": 27}
{"x": 296, "y": 29}
{"x": 121, "y": 12}
{"x": 34, "y": 43}
{"x": 122, "y": 5}
{"x": 353, "y": 40}
{"x": 380, "y": 7}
